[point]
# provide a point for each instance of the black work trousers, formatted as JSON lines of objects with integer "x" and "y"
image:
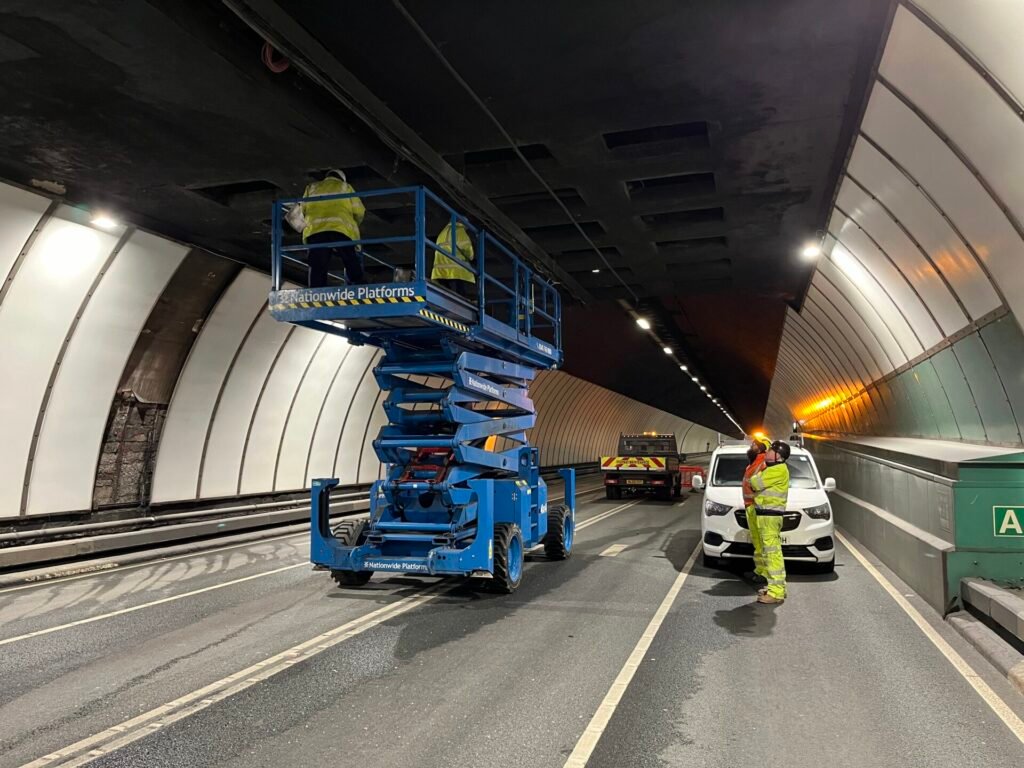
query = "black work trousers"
{"x": 320, "y": 259}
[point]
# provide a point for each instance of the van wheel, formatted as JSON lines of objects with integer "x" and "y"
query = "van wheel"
{"x": 714, "y": 563}
{"x": 828, "y": 567}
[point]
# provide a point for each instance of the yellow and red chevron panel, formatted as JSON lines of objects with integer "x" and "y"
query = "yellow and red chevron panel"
{"x": 632, "y": 462}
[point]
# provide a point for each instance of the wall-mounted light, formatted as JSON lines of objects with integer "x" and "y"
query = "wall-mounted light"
{"x": 703, "y": 389}
{"x": 104, "y": 221}
{"x": 811, "y": 251}
{"x": 595, "y": 271}
{"x": 694, "y": 379}
{"x": 644, "y": 323}
{"x": 667, "y": 350}
{"x": 683, "y": 368}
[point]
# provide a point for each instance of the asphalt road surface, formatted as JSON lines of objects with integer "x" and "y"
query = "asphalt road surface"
{"x": 245, "y": 657}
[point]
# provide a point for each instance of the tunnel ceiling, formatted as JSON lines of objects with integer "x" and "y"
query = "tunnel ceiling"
{"x": 698, "y": 144}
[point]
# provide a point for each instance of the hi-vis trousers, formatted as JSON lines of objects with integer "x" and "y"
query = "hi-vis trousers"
{"x": 755, "y": 538}
{"x": 770, "y": 527}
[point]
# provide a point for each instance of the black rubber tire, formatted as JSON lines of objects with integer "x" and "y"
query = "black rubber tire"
{"x": 677, "y": 490}
{"x": 609, "y": 492}
{"x": 663, "y": 494}
{"x": 503, "y": 535}
{"x": 828, "y": 567}
{"x": 714, "y": 563}
{"x": 554, "y": 541}
{"x": 351, "y": 533}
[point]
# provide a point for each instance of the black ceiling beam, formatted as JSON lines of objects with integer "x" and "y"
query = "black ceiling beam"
{"x": 268, "y": 19}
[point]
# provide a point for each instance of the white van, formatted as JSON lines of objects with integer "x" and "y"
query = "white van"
{"x": 807, "y": 527}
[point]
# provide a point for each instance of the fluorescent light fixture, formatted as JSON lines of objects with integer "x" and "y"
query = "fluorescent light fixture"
{"x": 644, "y": 323}
{"x": 693, "y": 379}
{"x": 667, "y": 350}
{"x": 683, "y": 368}
{"x": 595, "y": 271}
{"x": 103, "y": 221}
{"x": 703, "y": 389}
{"x": 811, "y": 251}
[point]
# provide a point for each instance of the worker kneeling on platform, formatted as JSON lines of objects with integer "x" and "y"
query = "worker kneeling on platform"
{"x": 451, "y": 272}
{"x": 771, "y": 493}
{"x": 332, "y": 221}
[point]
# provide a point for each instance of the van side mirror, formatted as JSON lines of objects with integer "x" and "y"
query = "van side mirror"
{"x": 830, "y": 484}
{"x": 698, "y": 482}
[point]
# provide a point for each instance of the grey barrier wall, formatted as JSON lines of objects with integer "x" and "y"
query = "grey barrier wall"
{"x": 135, "y": 370}
{"x": 903, "y": 514}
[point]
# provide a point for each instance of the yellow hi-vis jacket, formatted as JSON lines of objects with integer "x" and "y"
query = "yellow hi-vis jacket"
{"x": 447, "y": 268}
{"x": 771, "y": 488}
{"x": 344, "y": 215}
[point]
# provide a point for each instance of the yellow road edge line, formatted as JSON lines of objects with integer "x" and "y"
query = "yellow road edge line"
{"x": 580, "y": 755}
{"x": 993, "y": 699}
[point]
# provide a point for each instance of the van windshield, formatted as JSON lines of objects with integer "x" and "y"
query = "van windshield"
{"x": 729, "y": 471}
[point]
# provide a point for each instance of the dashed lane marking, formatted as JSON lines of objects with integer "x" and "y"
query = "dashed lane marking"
{"x": 613, "y": 550}
{"x": 592, "y": 734}
{"x": 990, "y": 697}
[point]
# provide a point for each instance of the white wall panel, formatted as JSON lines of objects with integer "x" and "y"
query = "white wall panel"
{"x": 831, "y": 300}
{"x": 346, "y": 466}
{"x": 924, "y": 221}
{"x": 188, "y": 418}
{"x": 953, "y": 187}
{"x": 956, "y": 97}
{"x": 866, "y": 294}
{"x": 234, "y": 412}
{"x": 990, "y": 30}
{"x": 34, "y": 320}
{"x": 268, "y": 422}
{"x": 336, "y": 407}
{"x": 64, "y": 468}
{"x": 20, "y": 212}
{"x": 369, "y": 465}
{"x": 926, "y": 281}
{"x": 298, "y": 434}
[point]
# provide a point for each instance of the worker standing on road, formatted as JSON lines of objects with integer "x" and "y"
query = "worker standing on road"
{"x": 755, "y": 457}
{"x": 452, "y": 271}
{"x": 771, "y": 493}
{"x": 333, "y": 221}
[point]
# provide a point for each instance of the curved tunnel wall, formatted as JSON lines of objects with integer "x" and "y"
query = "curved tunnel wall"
{"x": 912, "y": 322}
{"x": 258, "y": 406}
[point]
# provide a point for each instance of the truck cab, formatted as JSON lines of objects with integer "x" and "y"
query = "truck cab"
{"x": 646, "y": 463}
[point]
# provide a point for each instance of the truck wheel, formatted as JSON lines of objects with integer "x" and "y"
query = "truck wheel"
{"x": 561, "y": 533}
{"x": 351, "y": 533}
{"x": 677, "y": 490}
{"x": 611, "y": 492}
{"x": 509, "y": 556}
{"x": 664, "y": 494}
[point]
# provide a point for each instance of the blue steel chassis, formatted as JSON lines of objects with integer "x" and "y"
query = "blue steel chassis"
{"x": 457, "y": 375}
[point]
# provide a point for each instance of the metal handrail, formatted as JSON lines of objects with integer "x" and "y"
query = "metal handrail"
{"x": 534, "y": 301}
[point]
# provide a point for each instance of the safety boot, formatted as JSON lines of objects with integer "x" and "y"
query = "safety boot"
{"x": 764, "y": 597}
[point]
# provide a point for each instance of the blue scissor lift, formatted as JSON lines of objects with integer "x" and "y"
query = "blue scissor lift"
{"x": 463, "y": 493}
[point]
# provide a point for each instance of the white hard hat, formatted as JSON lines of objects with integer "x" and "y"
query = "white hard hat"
{"x": 337, "y": 172}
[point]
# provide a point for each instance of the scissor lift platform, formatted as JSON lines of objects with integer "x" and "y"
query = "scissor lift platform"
{"x": 463, "y": 493}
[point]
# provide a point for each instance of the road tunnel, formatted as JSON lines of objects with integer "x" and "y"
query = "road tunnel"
{"x": 691, "y": 225}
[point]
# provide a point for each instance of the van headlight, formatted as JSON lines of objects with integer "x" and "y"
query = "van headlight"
{"x": 713, "y": 508}
{"x": 820, "y": 512}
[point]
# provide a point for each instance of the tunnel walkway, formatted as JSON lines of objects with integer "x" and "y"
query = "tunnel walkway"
{"x": 244, "y": 657}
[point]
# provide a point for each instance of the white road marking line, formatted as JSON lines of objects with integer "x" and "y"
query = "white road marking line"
{"x": 142, "y": 725}
{"x": 106, "y": 568}
{"x": 613, "y": 550}
{"x": 192, "y": 593}
{"x": 161, "y": 601}
{"x": 993, "y": 699}
{"x": 592, "y": 734}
